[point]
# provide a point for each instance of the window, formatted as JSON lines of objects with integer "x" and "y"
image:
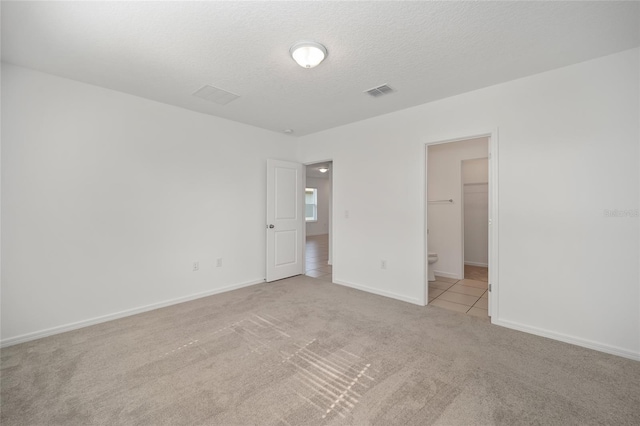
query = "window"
{"x": 311, "y": 204}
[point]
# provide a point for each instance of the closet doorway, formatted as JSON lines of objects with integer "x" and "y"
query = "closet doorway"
{"x": 459, "y": 175}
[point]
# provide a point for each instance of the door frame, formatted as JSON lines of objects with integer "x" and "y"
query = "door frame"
{"x": 493, "y": 260}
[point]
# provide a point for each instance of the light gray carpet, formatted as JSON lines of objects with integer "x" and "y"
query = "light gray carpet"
{"x": 304, "y": 351}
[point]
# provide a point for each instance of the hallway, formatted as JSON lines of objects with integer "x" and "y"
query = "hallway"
{"x": 317, "y": 256}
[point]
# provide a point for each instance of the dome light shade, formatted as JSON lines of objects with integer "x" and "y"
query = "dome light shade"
{"x": 308, "y": 54}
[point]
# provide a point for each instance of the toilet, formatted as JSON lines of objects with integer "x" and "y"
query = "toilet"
{"x": 433, "y": 258}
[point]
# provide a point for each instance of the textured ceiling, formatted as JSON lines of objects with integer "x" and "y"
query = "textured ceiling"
{"x": 165, "y": 51}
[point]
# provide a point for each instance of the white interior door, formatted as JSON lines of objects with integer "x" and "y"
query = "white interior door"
{"x": 285, "y": 219}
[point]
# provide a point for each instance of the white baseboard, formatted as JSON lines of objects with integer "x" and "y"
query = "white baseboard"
{"x": 484, "y": 265}
{"x": 447, "y": 275}
{"x": 379, "y": 292}
{"x": 97, "y": 320}
{"x": 601, "y": 347}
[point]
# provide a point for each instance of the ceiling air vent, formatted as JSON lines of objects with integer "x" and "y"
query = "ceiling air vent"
{"x": 215, "y": 95}
{"x": 380, "y": 91}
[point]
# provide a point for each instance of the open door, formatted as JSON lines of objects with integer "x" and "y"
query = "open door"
{"x": 285, "y": 219}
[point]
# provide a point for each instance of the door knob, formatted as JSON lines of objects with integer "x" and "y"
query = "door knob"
{"x": 271, "y": 226}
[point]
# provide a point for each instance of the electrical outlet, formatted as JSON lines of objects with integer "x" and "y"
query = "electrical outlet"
{"x": 346, "y": 214}
{"x": 196, "y": 266}
{"x": 219, "y": 263}
{"x": 383, "y": 264}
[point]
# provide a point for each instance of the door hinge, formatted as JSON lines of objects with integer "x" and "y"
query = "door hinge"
{"x": 489, "y": 287}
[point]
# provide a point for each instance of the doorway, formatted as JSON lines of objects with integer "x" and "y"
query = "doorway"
{"x": 318, "y": 220}
{"x": 460, "y": 192}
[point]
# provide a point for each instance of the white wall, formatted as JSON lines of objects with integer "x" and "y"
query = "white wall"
{"x": 445, "y": 219}
{"x": 109, "y": 198}
{"x": 476, "y": 224}
{"x": 475, "y": 178}
{"x": 321, "y": 226}
{"x": 475, "y": 171}
{"x": 568, "y": 150}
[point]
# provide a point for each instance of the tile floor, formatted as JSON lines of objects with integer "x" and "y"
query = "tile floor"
{"x": 468, "y": 296}
{"x": 317, "y": 256}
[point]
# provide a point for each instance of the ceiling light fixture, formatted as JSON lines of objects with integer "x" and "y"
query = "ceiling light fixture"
{"x": 323, "y": 169}
{"x": 308, "y": 54}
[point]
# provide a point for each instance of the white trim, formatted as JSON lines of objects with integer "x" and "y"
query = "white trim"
{"x": 463, "y": 137}
{"x": 494, "y": 212}
{"x": 451, "y": 275}
{"x": 613, "y": 350}
{"x": 389, "y": 294}
{"x": 425, "y": 230}
{"x": 97, "y": 320}
{"x": 304, "y": 225}
{"x": 461, "y": 204}
{"x": 330, "y": 218}
{"x": 484, "y": 265}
